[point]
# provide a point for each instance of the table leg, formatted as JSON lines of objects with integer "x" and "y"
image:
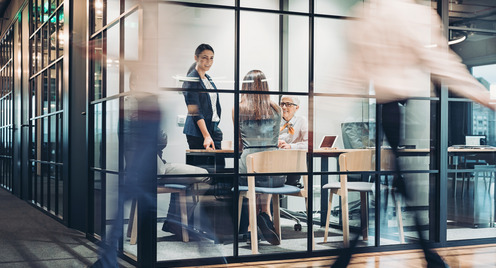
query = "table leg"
{"x": 324, "y": 195}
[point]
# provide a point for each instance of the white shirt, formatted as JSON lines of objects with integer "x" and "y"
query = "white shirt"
{"x": 213, "y": 100}
{"x": 299, "y": 140}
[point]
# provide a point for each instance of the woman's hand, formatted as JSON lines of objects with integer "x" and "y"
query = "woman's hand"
{"x": 208, "y": 143}
{"x": 283, "y": 145}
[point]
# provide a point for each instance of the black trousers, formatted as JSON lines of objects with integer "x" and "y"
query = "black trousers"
{"x": 391, "y": 125}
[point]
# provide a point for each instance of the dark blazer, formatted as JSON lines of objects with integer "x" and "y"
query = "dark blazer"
{"x": 201, "y": 100}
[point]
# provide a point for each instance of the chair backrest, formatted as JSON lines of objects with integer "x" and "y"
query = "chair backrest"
{"x": 279, "y": 161}
{"x": 360, "y": 160}
{"x": 388, "y": 160}
{"x": 364, "y": 160}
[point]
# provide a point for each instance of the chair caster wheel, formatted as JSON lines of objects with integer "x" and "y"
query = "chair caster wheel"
{"x": 297, "y": 227}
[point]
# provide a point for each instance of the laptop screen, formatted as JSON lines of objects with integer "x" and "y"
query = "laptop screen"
{"x": 328, "y": 141}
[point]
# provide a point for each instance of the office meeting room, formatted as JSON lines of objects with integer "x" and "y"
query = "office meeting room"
{"x": 264, "y": 87}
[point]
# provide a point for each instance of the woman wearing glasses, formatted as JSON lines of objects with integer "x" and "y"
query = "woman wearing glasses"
{"x": 259, "y": 123}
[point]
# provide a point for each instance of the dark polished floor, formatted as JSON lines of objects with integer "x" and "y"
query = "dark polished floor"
{"x": 30, "y": 238}
{"x": 459, "y": 257}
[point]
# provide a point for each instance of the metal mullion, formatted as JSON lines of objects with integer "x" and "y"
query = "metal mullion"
{"x": 442, "y": 143}
{"x": 235, "y": 208}
{"x": 90, "y": 125}
{"x": 103, "y": 164}
{"x": 60, "y": 81}
{"x": 311, "y": 55}
{"x": 42, "y": 136}
{"x": 57, "y": 29}
{"x": 34, "y": 179}
{"x": 48, "y": 88}
{"x": 281, "y": 47}
{"x": 42, "y": 50}
{"x": 56, "y": 167}
{"x": 377, "y": 208}
{"x": 103, "y": 66}
{"x": 49, "y": 147}
{"x": 121, "y": 127}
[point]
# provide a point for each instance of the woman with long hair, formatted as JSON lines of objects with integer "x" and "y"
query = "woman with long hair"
{"x": 259, "y": 120}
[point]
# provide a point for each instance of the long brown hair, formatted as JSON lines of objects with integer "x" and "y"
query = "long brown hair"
{"x": 256, "y": 106}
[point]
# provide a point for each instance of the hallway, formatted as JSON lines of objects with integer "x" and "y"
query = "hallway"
{"x": 29, "y": 238}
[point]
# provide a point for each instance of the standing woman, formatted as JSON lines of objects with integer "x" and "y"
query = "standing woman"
{"x": 259, "y": 123}
{"x": 204, "y": 111}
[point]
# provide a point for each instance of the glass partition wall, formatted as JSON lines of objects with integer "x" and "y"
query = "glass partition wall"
{"x": 46, "y": 109}
{"x": 114, "y": 50}
{"x": 471, "y": 128}
{"x": 301, "y": 48}
{"x": 7, "y": 108}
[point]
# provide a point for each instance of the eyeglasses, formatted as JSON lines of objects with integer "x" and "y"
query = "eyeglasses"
{"x": 287, "y": 104}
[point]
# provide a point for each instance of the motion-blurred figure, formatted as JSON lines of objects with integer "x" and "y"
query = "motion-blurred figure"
{"x": 138, "y": 136}
{"x": 393, "y": 44}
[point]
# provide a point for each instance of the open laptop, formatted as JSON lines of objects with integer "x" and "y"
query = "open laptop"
{"x": 328, "y": 141}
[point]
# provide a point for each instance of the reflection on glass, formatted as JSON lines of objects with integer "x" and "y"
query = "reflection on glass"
{"x": 330, "y": 54}
{"x": 60, "y": 81}
{"x": 190, "y": 30}
{"x": 130, "y": 3}
{"x": 263, "y": 4}
{"x": 53, "y": 139}
{"x": 297, "y": 5}
{"x": 113, "y": 8}
{"x": 52, "y": 38}
{"x": 112, "y": 61}
{"x": 471, "y": 209}
{"x": 98, "y": 14}
{"x": 295, "y": 72}
{"x": 216, "y": 2}
{"x": 111, "y": 138}
{"x": 97, "y": 68}
{"x": 46, "y": 9}
{"x": 45, "y": 42}
{"x": 111, "y": 200}
{"x": 61, "y": 37}
{"x": 471, "y": 165}
{"x": 336, "y": 7}
{"x": 98, "y": 136}
{"x": 97, "y": 195}
{"x": 52, "y": 87}
{"x": 60, "y": 205}
{"x": 260, "y": 55}
{"x": 131, "y": 35}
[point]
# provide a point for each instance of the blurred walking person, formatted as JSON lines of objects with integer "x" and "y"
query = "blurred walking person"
{"x": 391, "y": 49}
